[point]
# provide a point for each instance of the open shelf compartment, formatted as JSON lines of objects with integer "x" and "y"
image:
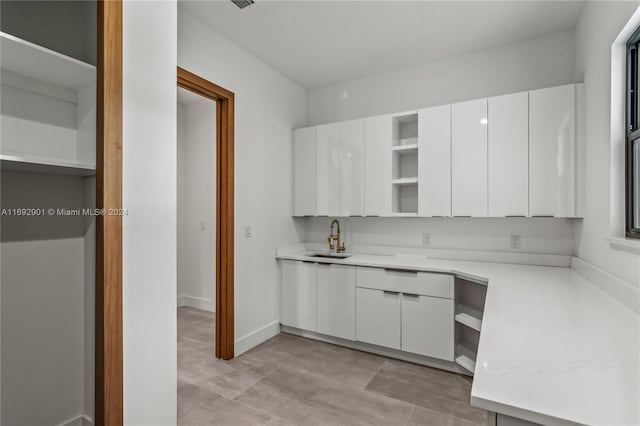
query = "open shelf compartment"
{"x": 48, "y": 110}
{"x": 405, "y": 129}
{"x": 405, "y": 198}
{"x": 469, "y": 317}
{"x": 470, "y": 299}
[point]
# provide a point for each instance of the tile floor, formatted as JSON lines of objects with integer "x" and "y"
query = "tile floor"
{"x": 290, "y": 380}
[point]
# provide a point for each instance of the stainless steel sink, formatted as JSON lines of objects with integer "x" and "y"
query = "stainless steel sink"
{"x": 331, "y": 255}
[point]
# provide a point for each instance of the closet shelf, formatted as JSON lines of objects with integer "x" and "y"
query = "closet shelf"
{"x": 45, "y": 165}
{"x": 28, "y": 59}
{"x": 405, "y": 149}
{"x": 469, "y": 317}
{"x": 405, "y": 181}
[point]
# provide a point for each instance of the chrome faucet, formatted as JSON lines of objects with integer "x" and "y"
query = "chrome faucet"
{"x": 335, "y": 237}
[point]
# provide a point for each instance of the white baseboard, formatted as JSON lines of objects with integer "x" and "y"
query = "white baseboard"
{"x": 620, "y": 289}
{"x": 256, "y": 337}
{"x": 197, "y": 303}
{"x": 79, "y": 420}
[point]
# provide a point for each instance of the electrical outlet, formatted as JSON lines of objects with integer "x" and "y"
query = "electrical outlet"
{"x": 202, "y": 226}
{"x": 515, "y": 241}
{"x": 247, "y": 231}
{"x": 426, "y": 239}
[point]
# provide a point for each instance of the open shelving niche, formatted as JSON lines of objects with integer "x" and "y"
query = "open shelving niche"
{"x": 404, "y": 154}
{"x": 48, "y": 110}
{"x": 470, "y": 298}
{"x": 48, "y": 160}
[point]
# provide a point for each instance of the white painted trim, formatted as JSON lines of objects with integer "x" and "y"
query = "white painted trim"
{"x": 625, "y": 244}
{"x": 197, "y": 303}
{"x": 617, "y": 131}
{"x": 256, "y": 337}
{"x": 623, "y": 291}
{"x": 79, "y": 420}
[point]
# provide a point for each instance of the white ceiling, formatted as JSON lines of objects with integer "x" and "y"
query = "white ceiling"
{"x": 316, "y": 43}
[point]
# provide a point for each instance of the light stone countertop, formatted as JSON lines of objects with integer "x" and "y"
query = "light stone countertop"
{"x": 554, "y": 347}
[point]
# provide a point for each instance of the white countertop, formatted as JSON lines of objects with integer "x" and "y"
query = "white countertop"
{"x": 554, "y": 348}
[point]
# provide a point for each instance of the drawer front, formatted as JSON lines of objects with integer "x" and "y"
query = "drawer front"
{"x": 403, "y": 281}
{"x": 378, "y": 317}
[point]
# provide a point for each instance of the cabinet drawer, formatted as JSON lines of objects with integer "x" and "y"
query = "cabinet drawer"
{"x": 403, "y": 281}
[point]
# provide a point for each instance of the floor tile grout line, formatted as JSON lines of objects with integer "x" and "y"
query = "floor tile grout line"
{"x": 375, "y": 373}
{"x": 410, "y": 414}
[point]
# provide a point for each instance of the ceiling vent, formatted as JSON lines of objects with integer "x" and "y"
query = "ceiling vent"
{"x": 242, "y": 3}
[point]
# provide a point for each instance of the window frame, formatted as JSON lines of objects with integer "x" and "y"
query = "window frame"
{"x": 632, "y": 129}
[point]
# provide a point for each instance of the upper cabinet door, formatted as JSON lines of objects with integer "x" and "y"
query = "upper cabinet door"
{"x": 469, "y": 158}
{"x": 327, "y": 169}
{"x": 304, "y": 180}
{"x": 508, "y": 155}
{"x": 434, "y": 161}
{"x": 351, "y": 177}
{"x": 552, "y": 151}
{"x": 377, "y": 166}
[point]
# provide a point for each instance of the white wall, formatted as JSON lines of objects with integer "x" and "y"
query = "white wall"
{"x": 43, "y": 301}
{"x": 267, "y": 107}
{"x": 540, "y": 62}
{"x": 599, "y": 25}
{"x": 197, "y": 204}
{"x": 149, "y": 230}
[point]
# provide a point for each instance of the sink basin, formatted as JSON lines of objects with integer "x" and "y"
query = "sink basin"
{"x": 331, "y": 255}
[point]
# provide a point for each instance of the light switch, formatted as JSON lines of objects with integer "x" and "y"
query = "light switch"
{"x": 247, "y": 231}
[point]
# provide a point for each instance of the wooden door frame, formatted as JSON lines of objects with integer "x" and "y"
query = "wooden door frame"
{"x": 224, "y": 205}
{"x": 108, "y": 285}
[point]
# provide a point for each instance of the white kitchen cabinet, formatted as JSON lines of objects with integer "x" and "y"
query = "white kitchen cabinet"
{"x": 336, "y": 286}
{"x": 377, "y": 166}
{"x": 378, "y": 317}
{"x": 351, "y": 175}
{"x": 304, "y": 148}
{"x": 508, "y": 155}
{"x": 428, "y": 326}
{"x": 552, "y": 151}
{"x": 299, "y": 294}
{"x": 327, "y": 169}
{"x": 469, "y": 158}
{"x": 434, "y": 142}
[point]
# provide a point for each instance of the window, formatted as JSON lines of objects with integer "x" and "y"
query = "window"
{"x": 632, "y": 149}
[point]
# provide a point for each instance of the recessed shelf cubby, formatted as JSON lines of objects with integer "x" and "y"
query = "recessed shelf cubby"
{"x": 470, "y": 298}
{"x": 48, "y": 110}
{"x": 405, "y": 129}
{"x": 404, "y": 167}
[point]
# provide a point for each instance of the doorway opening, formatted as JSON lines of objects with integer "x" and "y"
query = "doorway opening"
{"x": 215, "y": 262}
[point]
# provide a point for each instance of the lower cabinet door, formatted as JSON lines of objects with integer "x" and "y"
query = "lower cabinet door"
{"x": 428, "y": 326}
{"x": 299, "y": 294}
{"x": 378, "y": 317}
{"x": 337, "y": 300}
